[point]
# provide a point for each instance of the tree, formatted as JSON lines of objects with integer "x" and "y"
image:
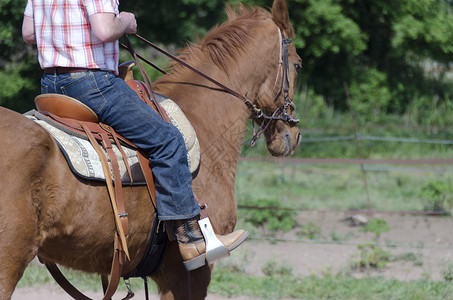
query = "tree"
{"x": 175, "y": 22}
{"x": 19, "y": 69}
{"x": 389, "y": 52}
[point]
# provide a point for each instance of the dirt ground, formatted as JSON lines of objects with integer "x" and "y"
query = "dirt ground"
{"x": 429, "y": 239}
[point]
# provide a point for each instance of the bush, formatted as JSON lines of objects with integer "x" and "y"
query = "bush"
{"x": 273, "y": 218}
{"x": 272, "y": 269}
{"x": 309, "y": 231}
{"x": 447, "y": 271}
{"x": 439, "y": 195}
{"x": 378, "y": 226}
{"x": 371, "y": 256}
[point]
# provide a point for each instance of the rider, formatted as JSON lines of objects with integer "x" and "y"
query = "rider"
{"x": 78, "y": 49}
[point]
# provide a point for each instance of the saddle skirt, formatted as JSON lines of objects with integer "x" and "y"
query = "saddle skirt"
{"x": 85, "y": 162}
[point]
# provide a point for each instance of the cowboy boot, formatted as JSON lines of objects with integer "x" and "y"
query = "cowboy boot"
{"x": 193, "y": 246}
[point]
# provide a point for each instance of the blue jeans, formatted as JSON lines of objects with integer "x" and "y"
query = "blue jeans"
{"x": 120, "y": 107}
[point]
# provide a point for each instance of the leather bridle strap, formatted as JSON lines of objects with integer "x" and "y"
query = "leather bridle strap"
{"x": 247, "y": 102}
{"x": 146, "y": 80}
{"x": 258, "y": 113}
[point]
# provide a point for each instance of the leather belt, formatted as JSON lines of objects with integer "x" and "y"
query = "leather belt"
{"x": 62, "y": 70}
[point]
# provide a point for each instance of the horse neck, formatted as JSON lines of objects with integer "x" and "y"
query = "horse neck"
{"x": 219, "y": 118}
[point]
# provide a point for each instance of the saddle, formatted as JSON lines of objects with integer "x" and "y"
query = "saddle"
{"x": 75, "y": 117}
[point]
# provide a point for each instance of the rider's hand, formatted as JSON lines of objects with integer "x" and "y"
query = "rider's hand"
{"x": 129, "y": 21}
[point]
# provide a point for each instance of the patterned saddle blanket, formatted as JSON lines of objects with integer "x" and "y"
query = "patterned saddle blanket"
{"x": 85, "y": 162}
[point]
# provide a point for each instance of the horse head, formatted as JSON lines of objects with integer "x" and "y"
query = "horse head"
{"x": 277, "y": 118}
{"x": 253, "y": 54}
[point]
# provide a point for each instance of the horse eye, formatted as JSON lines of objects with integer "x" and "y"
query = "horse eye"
{"x": 298, "y": 67}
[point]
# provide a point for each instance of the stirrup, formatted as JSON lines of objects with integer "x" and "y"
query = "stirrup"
{"x": 215, "y": 250}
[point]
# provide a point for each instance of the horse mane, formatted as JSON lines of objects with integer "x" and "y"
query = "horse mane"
{"x": 225, "y": 42}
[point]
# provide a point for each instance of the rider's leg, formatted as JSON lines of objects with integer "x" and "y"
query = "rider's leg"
{"x": 120, "y": 107}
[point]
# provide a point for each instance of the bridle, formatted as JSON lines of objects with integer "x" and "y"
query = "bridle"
{"x": 280, "y": 114}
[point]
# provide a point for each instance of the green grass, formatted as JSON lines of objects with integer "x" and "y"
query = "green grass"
{"x": 37, "y": 274}
{"x": 231, "y": 283}
{"x": 338, "y": 187}
{"x": 328, "y": 287}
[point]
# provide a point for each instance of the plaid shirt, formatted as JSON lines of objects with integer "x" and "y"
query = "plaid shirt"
{"x": 64, "y": 37}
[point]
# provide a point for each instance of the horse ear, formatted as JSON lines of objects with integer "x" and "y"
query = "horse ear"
{"x": 280, "y": 16}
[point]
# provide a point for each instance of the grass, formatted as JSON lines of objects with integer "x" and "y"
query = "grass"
{"x": 37, "y": 274}
{"x": 328, "y": 287}
{"x": 338, "y": 187}
{"x": 308, "y": 187}
{"x": 228, "y": 282}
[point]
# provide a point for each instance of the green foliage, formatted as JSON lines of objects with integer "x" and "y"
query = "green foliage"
{"x": 371, "y": 256}
{"x": 18, "y": 62}
{"x": 370, "y": 95}
{"x": 11, "y": 15}
{"x": 341, "y": 238}
{"x": 272, "y": 220}
{"x": 447, "y": 270}
{"x": 416, "y": 259}
{"x": 309, "y": 231}
{"x": 378, "y": 226}
{"x": 439, "y": 195}
{"x": 175, "y": 22}
{"x": 394, "y": 55}
{"x": 272, "y": 269}
{"x": 327, "y": 287}
{"x": 231, "y": 283}
{"x": 20, "y": 86}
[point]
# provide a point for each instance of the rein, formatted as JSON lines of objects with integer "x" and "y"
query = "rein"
{"x": 280, "y": 113}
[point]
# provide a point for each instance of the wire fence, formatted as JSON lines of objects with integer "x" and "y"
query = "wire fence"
{"x": 444, "y": 165}
{"x": 360, "y": 137}
{"x": 354, "y": 161}
{"x": 349, "y": 243}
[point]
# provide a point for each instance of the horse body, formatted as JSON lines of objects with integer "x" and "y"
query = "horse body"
{"x": 46, "y": 210}
{"x": 62, "y": 218}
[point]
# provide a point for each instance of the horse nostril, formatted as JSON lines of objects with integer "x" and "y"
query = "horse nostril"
{"x": 299, "y": 138}
{"x": 288, "y": 138}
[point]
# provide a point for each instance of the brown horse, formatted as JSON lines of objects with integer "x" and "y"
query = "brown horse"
{"x": 46, "y": 211}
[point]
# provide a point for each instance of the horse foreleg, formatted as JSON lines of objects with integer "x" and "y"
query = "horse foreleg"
{"x": 23, "y": 157}
{"x": 175, "y": 282}
{"x": 18, "y": 240}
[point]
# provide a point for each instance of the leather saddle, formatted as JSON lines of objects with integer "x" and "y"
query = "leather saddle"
{"x": 78, "y": 117}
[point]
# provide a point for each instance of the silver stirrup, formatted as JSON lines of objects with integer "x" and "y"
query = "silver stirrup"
{"x": 215, "y": 250}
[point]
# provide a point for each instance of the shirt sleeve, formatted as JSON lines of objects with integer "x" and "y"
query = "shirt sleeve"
{"x": 101, "y": 6}
{"x": 29, "y": 9}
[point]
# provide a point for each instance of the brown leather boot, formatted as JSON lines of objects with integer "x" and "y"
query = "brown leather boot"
{"x": 192, "y": 244}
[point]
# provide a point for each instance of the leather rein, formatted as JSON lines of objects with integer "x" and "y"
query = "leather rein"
{"x": 281, "y": 113}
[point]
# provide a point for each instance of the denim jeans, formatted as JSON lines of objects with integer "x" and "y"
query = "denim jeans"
{"x": 120, "y": 107}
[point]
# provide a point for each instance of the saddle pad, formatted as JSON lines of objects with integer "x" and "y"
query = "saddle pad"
{"x": 83, "y": 158}
{"x": 85, "y": 162}
{"x": 180, "y": 121}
